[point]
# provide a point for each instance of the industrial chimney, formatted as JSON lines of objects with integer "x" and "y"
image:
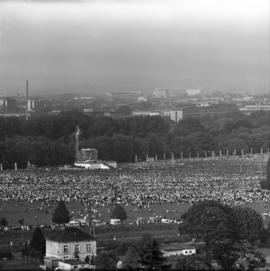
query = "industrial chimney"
{"x": 26, "y": 110}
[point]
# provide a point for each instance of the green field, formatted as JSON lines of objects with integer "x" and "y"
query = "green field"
{"x": 32, "y": 215}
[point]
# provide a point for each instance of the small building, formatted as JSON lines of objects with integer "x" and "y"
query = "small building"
{"x": 115, "y": 221}
{"x": 141, "y": 220}
{"x": 166, "y": 220}
{"x": 69, "y": 244}
{"x": 154, "y": 219}
{"x": 174, "y": 115}
{"x": 177, "y": 249}
{"x": 74, "y": 223}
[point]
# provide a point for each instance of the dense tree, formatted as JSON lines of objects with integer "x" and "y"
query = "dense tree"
{"x": 208, "y": 220}
{"x": 193, "y": 262}
{"x": 119, "y": 213}
{"x": 3, "y": 221}
{"x": 132, "y": 260}
{"x": 106, "y": 260}
{"x": 60, "y": 214}
{"x": 150, "y": 254}
{"x": 248, "y": 224}
{"x": 268, "y": 172}
{"x": 37, "y": 242}
{"x": 247, "y": 257}
{"x": 228, "y": 232}
{"x": 48, "y": 140}
{"x": 265, "y": 184}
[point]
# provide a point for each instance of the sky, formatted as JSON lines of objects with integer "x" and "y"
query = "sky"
{"x": 87, "y": 46}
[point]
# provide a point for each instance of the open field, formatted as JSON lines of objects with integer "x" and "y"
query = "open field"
{"x": 178, "y": 186}
{"x": 15, "y": 211}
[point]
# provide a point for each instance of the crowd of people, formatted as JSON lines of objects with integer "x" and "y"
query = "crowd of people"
{"x": 232, "y": 180}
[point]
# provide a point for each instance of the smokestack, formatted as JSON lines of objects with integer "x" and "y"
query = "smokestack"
{"x": 26, "y": 110}
{"x": 77, "y": 134}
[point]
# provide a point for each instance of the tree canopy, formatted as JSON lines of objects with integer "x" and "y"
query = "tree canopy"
{"x": 119, "y": 213}
{"x": 208, "y": 220}
{"x": 268, "y": 172}
{"x": 3, "y": 221}
{"x": 248, "y": 224}
{"x": 37, "y": 242}
{"x": 49, "y": 140}
{"x": 60, "y": 214}
{"x": 229, "y": 233}
{"x": 132, "y": 260}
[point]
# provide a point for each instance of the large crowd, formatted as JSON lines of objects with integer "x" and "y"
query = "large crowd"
{"x": 232, "y": 180}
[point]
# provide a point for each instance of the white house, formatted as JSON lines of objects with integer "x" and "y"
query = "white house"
{"x": 177, "y": 249}
{"x": 115, "y": 221}
{"x": 64, "y": 245}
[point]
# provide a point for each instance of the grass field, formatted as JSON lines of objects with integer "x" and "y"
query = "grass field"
{"x": 32, "y": 215}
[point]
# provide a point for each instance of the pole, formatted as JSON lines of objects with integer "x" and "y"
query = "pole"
{"x": 91, "y": 224}
{"x": 181, "y": 155}
{"x": 15, "y": 166}
{"x": 220, "y": 153}
{"x": 164, "y": 156}
{"x": 227, "y": 152}
{"x": 136, "y": 158}
{"x": 26, "y": 110}
{"x": 1, "y": 167}
{"x": 172, "y": 156}
{"x": 156, "y": 157}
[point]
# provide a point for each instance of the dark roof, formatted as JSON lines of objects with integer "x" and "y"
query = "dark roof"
{"x": 70, "y": 234}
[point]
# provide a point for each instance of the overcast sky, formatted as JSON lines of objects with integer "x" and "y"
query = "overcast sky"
{"x": 68, "y": 46}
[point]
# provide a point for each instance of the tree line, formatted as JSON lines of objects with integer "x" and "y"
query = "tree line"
{"x": 49, "y": 140}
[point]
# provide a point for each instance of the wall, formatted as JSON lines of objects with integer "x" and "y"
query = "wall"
{"x": 57, "y": 249}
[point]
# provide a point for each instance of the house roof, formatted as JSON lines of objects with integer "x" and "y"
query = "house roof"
{"x": 176, "y": 247}
{"x": 70, "y": 234}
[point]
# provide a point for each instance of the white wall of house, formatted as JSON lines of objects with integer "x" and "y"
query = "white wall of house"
{"x": 66, "y": 251}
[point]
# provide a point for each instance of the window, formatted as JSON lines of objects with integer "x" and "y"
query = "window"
{"x": 88, "y": 247}
{"x": 77, "y": 248}
{"x": 65, "y": 248}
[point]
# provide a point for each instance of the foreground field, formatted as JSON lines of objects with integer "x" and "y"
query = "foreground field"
{"x": 162, "y": 188}
{"x": 32, "y": 215}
